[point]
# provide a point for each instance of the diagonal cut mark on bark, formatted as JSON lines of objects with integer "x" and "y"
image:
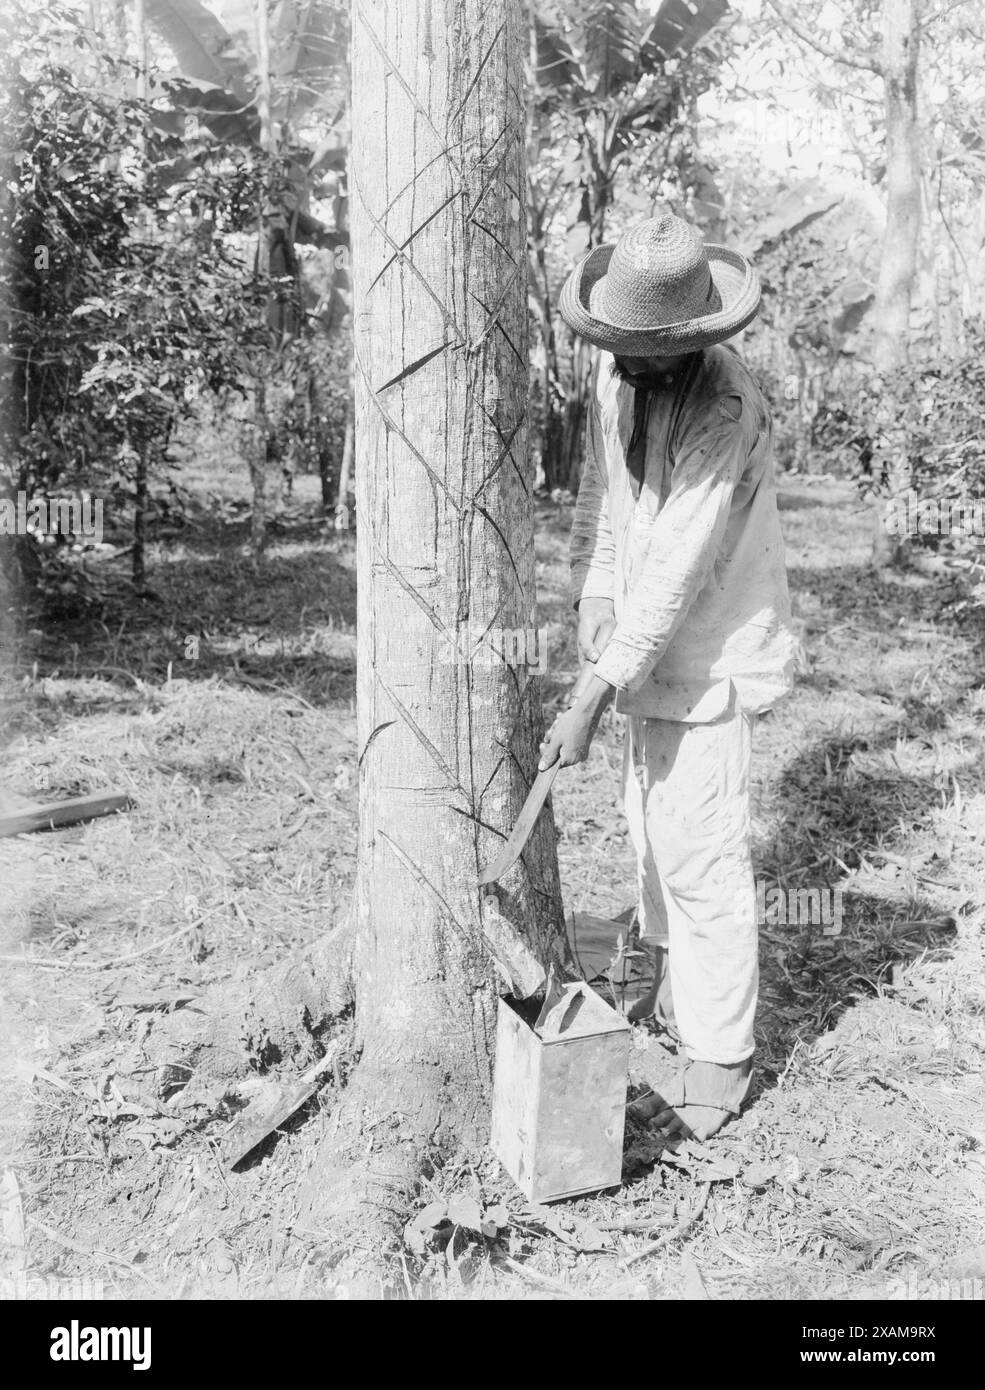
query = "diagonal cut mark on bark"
{"x": 478, "y": 72}
{"x": 419, "y": 876}
{"x": 423, "y": 740}
{"x": 421, "y": 111}
{"x": 493, "y": 237}
{"x": 413, "y": 367}
{"x": 527, "y": 781}
{"x": 508, "y": 756}
{"x": 479, "y": 161}
{"x": 493, "y": 320}
{"x": 492, "y": 621}
{"x": 447, "y": 316}
{"x": 388, "y": 723}
{"x": 516, "y": 350}
{"x": 475, "y": 819}
{"x": 478, "y": 166}
{"x": 512, "y": 133}
{"x": 503, "y": 453}
{"x": 391, "y": 424}
{"x": 483, "y": 513}
{"x": 404, "y": 244}
{"x": 411, "y": 183}
{"x": 412, "y": 593}
{"x": 489, "y": 781}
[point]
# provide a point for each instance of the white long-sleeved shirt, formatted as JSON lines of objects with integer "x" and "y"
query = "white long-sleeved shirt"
{"x": 695, "y": 565}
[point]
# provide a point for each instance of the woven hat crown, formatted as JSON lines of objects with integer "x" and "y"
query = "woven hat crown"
{"x": 658, "y": 275}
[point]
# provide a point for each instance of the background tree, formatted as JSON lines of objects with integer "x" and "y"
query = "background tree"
{"x": 270, "y": 77}
{"x": 881, "y": 39}
{"x": 120, "y": 305}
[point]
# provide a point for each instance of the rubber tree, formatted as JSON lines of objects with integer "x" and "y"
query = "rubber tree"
{"x": 892, "y": 56}
{"x": 448, "y": 710}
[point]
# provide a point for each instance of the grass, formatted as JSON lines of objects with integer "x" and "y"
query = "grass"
{"x": 224, "y": 705}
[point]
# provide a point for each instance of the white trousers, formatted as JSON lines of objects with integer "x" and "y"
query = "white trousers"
{"x": 686, "y": 796}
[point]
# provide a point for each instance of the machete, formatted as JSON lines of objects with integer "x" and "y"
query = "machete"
{"x": 532, "y": 807}
{"x": 525, "y": 822}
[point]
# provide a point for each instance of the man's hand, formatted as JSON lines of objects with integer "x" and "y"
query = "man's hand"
{"x": 570, "y": 736}
{"x": 596, "y": 624}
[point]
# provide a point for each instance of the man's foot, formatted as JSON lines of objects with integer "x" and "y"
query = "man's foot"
{"x": 699, "y": 1102}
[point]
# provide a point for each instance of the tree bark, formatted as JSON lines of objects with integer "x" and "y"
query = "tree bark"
{"x": 139, "y": 557}
{"x": 261, "y": 422}
{"x": 898, "y": 265}
{"x": 448, "y": 729}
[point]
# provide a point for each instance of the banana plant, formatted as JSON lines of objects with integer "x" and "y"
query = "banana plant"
{"x": 217, "y": 78}
{"x": 265, "y": 76}
{"x": 611, "y": 86}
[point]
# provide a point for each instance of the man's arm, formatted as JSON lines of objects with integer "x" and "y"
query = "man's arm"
{"x": 593, "y": 566}
{"x": 687, "y": 537}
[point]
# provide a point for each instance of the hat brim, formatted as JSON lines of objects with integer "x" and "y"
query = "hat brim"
{"x": 735, "y": 279}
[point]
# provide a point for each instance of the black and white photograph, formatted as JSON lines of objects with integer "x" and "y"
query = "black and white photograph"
{"x": 492, "y": 666}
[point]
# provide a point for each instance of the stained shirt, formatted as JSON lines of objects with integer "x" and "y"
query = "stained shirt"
{"x": 682, "y": 533}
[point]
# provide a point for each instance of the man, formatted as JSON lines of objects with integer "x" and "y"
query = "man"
{"x": 680, "y": 587}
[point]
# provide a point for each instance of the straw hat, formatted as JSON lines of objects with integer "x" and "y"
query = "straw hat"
{"x": 659, "y": 291}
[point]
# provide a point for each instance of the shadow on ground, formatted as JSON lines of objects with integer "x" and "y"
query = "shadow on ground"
{"x": 855, "y": 807}
{"x": 287, "y": 624}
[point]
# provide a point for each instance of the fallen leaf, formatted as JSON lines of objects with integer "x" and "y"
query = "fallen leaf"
{"x": 709, "y": 1165}
{"x": 572, "y": 1229}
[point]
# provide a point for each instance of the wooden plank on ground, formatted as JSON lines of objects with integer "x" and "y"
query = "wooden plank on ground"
{"x": 53, "y": 814}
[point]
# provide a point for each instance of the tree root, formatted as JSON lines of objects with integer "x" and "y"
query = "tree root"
{"x": 394, "y": 1123}
{"x": 281, "y": 1013}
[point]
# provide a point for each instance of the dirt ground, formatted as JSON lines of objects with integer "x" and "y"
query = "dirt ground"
{"x": 224, "y": 706}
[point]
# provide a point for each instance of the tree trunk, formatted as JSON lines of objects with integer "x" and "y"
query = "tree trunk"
{"x": 140, "y": 39}
{"x": 575, "y": 412}
{"x": 898, "y": 265}
{"x": 261, "y": 429}
{"x": 444, "y": 555}
{"x": 256, "y": 443}
{"x": 139, "y": 557}
{"x": 345, "y": 475}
